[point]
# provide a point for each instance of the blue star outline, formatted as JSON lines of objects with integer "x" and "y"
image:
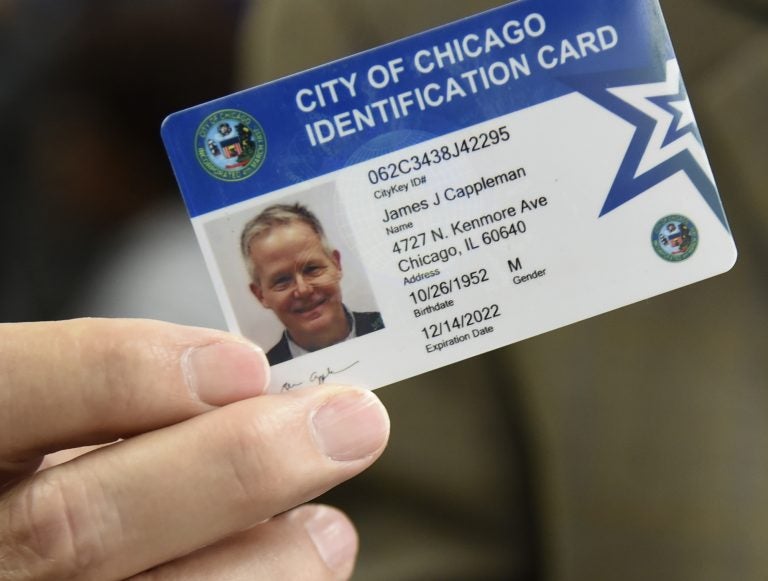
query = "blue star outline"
{"x": 673, "y": 108}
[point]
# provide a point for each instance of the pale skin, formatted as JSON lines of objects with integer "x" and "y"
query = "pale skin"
{"x": 203, "y": 463}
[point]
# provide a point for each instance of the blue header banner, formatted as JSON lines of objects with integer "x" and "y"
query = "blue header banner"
{"x": 443, "y": 80}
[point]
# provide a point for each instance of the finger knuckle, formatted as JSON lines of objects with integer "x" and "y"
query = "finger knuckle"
{"x": 120, "y": 355}
{"x": 118, "y": 366}
{"x": 52, "y": 530}
{"x": 245, "y": 461}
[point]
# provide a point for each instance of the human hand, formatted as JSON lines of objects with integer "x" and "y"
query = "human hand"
{"x": 204, "y": 457}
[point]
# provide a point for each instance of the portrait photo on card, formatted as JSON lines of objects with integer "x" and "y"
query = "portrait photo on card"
{"x": 291, "y": 273}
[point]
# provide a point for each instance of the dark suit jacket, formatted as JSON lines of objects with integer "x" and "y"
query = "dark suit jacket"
{"x": 364, "y": 323}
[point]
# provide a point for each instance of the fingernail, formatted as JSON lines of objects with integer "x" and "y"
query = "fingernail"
{"x": 223, "y": 373}
{"x": 334, "y": 537}
{"x": 351, "y": 425}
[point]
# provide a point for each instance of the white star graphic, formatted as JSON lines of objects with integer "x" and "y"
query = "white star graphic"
{"x": 686, "y": 118}
{"x": 656, "y": 153}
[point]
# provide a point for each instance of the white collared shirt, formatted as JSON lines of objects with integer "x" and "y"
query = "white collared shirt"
{"x": 297, "y": 350}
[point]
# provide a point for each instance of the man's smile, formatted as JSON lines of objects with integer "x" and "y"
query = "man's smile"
{"x": 306, "y": 308}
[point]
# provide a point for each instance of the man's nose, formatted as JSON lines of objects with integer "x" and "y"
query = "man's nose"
{"x": 302, "y": 286}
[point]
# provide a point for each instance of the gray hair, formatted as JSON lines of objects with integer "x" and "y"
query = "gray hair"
{"x": 277, "y": 215}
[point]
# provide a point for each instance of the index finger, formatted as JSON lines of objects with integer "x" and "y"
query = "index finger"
{"x": 89, "y": 381}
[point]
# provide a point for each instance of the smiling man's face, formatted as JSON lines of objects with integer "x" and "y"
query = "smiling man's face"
{"x": 299, "y": 280}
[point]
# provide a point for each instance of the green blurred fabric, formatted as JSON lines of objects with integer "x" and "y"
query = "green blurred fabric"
{"x": 631, "y": 446}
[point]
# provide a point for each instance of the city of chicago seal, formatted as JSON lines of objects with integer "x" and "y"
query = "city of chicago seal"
{"x": 230, "y": 145}
{"x": 675, "y": 238}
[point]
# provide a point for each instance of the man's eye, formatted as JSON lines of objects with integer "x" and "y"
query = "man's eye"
{"x": 281, "y": 284}
{"x": 314, "y": 270}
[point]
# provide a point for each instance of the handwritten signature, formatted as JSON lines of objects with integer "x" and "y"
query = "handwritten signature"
{"x": 318, "y": 377}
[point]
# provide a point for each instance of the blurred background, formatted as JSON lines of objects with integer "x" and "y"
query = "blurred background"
{"x": 85, "y": 87}
{"x": 593, "y": 452}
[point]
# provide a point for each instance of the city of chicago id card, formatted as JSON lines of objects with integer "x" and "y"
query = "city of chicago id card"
{"x": 453, "y": 192}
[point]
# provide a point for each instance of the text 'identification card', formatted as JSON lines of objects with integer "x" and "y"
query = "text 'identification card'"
{"x": 453, "y": 192}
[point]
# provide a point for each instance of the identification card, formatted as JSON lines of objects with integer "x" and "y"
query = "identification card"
{"x": 453, "y": 192}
